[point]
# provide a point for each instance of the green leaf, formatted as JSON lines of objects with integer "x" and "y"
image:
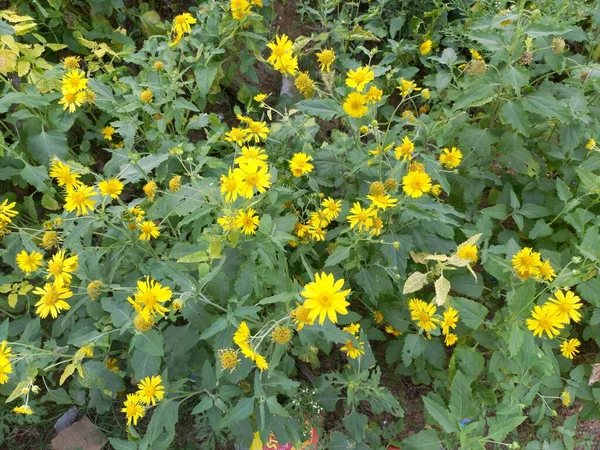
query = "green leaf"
{"x": 396, "y": 25}
{"x": 513, "y": 114}
{"x": 461, "y": 398}
{"x": 477, "y": 94}
{"x": 276, "y": 408}
{"x": 324, "y": 109}
{"x": 520, "y": 301}
{"x": 36, "y": 176}
{"x": 515, "y": 340}
{"x": 413, "y": 347}
{"x": 205, "y": 404}
{"x": 205, "y": 76}
{"x": 356, "y": 423}
{"x": 471, "y": 313}
{"x": 533, "y": 211}
{"x": 540, "y": 229}
{"x": 424, "y": 440}
{"x": 517, "y": 77}
{"x": 144, "y": 364}
{"x": 136, "y": 171}
{"x": 543, "y": 102}
{"x": 219, "y": 325}
{"x": 97, "y": 375}
{"x": 150, "y": 341}
{"x": 161, "y": 429}
{"x": 58, "y": 396}
{"x": 47, "y": 144}
{"x": 277, "y": 298}
{"x": 499, "y": 430}
{"x": 242, "y": 410}
{"x": 339, "y": 254}
{"x": 128, "y": 129}
{"x": 441, "y": 415}
{"x": 28, "y": 99}
{"x": 120, "y": 444}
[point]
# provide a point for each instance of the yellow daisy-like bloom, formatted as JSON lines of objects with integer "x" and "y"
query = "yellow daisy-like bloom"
{"x": 467, "y": 252}
{"x": 332, "y": 208}
{"x": 451, "y": 339}
{"x": 390, "y": 330}
{"x": 242, "y": 334}
{"x": 182, "y": 22}
{"x": 228, "y": 223}
{"x": 5, "y": 351}
{"x": 353, "y": 328}
{"x": 449, "y": 320}
{"x": 111, "y": 364}
{"x": 567, "y": 304}
{"x": 451, "y": 158}
{"x": 304, "y": 84}
{"x": 527, "y": 263}
{"x": 5, "y": 369}
{"x": 52, "y": 301}
{"x": 74, "y": 81}
{"x": 71, "y": 62}
{"x": 260, "y": 98}
{"x": 288, "y": 65}
{"x": 352, "y": 351}
{"x": 545, "y": 319}
{"x": 406, "y": 87}
{"x": 416, "y": 183}
{"x": 256, "y": 130}
{"x": 29, "y": 262}
{"x": 149, "y": 297}
{"x": 377, "y": 227}
{"x": 423, "y": 313}
{"x": 316, "y": 233}
{"x": 360, "y": 217}
{"x": 228, "y": 358}
{"x": 319, "y": 219}
{"x": 261, "y": 362}
{"x": 148, "y": 230}
{"x": 150, "y": 390}
{"x": 280, "y": 48}
{"x": 229, "y": 186}
{"x": 252, "y": 154}
{"x": 300, "y": 164}
{"x": 590, "y": 144}
{"x": 566, "y": 398}
{"x": 158, "y": 65}
{"x": 425, "y": 47}
{"x": 281, "y": 335}
{"x": 80, "y": 199}
{"x": 237, "y": 135}
{"x": 355, "y": 105}
{"x": 546, "y": 271}
{"x": 63, "y": 175}
{"x": 111, "y": 188}
{"x": 252, "y": 176}
{"x": 7, "y": 211}
{"x": 373, "y": 94}
{"x": 405, "y": 150}
{"x": 143, "y": 323}
{"x": 62, "y": 267}
{"x": 325, "y": 298}
{"x": 570, "y": 348}
{"x": 378, "y": 317}
{"x": 247, "y": 222}
{"x": 239, "y": 9}
{"x": 325, "y": 58}
{"x": 108, "y": 132}
{"x": 133, "y": 409}
{"x": 146, "y": 96}
{"x": 72, "y": 101}
{"x": 301, "y": 316}
{"x": 175, "y": 183}
{"x": 150, "y": 189}
{"x": 137, "y": 212}
{"x": 475, "y": 54}
{"x": 24, "y": 409}
{"x": 359, "y": 78}
{"x": 383, "y": 201}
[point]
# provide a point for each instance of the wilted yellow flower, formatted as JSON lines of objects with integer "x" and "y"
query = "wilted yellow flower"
{"x": 146, "y": 96}
{"x": 325, "y": 59}
{"x": 23, "y": 409}
{"x": 71, "y": 62}
{"x": 150, "y": 189}
{"x": 281, "y": 335}
{"x": 143, "y": 323}
{"x": 175, "y": 183}
{"x": 94, "y": 289}
{"x": 304, "y": 84}
{"x": 228, "y": 359}
{"x": 49, "y": 240}
{"x": 260, "y": 98}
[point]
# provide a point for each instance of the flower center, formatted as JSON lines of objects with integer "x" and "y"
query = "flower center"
{"x": 252, "y": 179}
{"x": 564, "y": 307}
{"x": 545, "y": 323}
{"x": 55, "y": 267}
{"x": 78, "y": 198}
{"x": 325, "y": 300}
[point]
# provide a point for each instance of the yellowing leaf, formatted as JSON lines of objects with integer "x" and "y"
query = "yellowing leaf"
{"x": 13, "y": 17}
{"x": 23, "y": 68}
{"x": 8, "y": 61}
{"x": 440, "y": 258}
{"x": 414, "y": 282}
{"x": 12, "y": 300}
{"x": 56, "y": 47}
{"x": 24, "y": 28}
{"x": 67, "y": 373}
{"x": 419, "y": 258}
{"x": 442, "y": 288}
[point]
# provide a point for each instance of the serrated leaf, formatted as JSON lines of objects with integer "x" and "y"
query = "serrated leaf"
{"x": 471, "y": 313}
{"x": 324, "y": 109}
{"x": 415, "y": 282}
{"x": 499, "y": 430}
{"x": 276, "y": 408}
{"x": 442, "y": 288}
{"x": 441, "y": 415}
{"x": 205, "y": 404}
{"x": 240, "y": 411}
{"x": 339, "y": 254}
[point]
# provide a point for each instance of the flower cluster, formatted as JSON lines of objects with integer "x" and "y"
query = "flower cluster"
{"x": 74, "y": 90}
{"x": 150, "y": 390}
{"x": 528, "y": 263}
{"x": 282, "y": 56}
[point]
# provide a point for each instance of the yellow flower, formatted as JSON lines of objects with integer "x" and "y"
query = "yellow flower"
{"x": 229, "y": 187}
{"x": 300, "y": 164}
{"x": 148, "y": 230}
{"x": 252, "y": 154}
{"x": 475, "y": 54}
{"x": 133, "y": 409}
{"x": 73, "y": 82}
{"x": 383, "y": 201}
{"x": 158, "y": 65}
{"x": 359, "y": 78}
{"x": 281, "y": 335}
{"x": 146, "y": 96}
{"x": 416, "y": 183}
{"x": 175, "y": 183}
{"x": 545, "y": 319}
{"x": 361, "y": 218}
{"x": 352, "y": 351}
{"x": 63, "y": 175}
{"x": 149, "y": 296}
{"x": 49, "y": 239}
{"x": 228, "y": 359}
{"x": 242, "y": 334}
{"x": 378, "y": 317}
{"x": 324, "y": 297}
{"x": 467, "y": 252}
{"x": 111, "y": 364}
{"x": 316, "y": 233}
{"x": 24, "y": 409}
{"x": 450, "y": 320}
{"x": 260, "y": 98}
{"x": 570, "y": 348}
{"x": 405, "y": 149}
{"x": 377, "y": 227}
{"x": 87, "y": 350}
{"x": 239, "y": 9}
{"x": 423, "y": 313}
{"x": 143, "y": 323}
{"x": 5, "y": 351}
{"x": 304, "y": 84}
{"x": 29, "y": 262}
{"x": 62, "y": 267}
{"x": 527, "y": 263}
{"x": 325, "y": 58}
{"x": 94, "y": 289}
{"x": 353, "y": 328}
{"x": 72, "y": 100}
{"x": 301, "y": 316}
{"x": 355, "y": 105}
{"x": 546, "y": 271}
{"x": 247, "y": 222}
{"x": 451, "y": 339}
{"x": 137, "y": 212}
{"x": 425, "y": 47}
{"x": 150, "y": 189}
{"x": 181, "y": 26}
{"x": 5, "y": 369}
{"x": 52, "y": 300}
{"x": 406, "y": 87}
{"x": 261, "y": 362}
{"x": 288, "y": 65}
{"x": 108, "y": 132}
{"x": 7, "y": 211}
{"x": 391, "y": 330}
{"x": 425, "y": 94}
{"x": 71, "y": 62}
{"x": 256, "y": 130}
{"x": 150, "y": 390}
{"x": 566, "y": 398}
{"x": 280, "y": 48}
{"x": 451, "y": 158}
{"x": 319, "y": 219}
{"x": 228, "y": 223}
{"x": 237, "y": 135}
{"x": 252, "y": 176}
{"x": 80, "y": 199}
{"x": 332, "y": 208}
{"x": 590, "y": 144}
{"x": 373, "y": 94}
{"x": 111, "y": 188}
{"x": 566, "y": 305}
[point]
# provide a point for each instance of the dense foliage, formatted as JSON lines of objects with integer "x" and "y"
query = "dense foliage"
{"x": 240, "y": 218}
